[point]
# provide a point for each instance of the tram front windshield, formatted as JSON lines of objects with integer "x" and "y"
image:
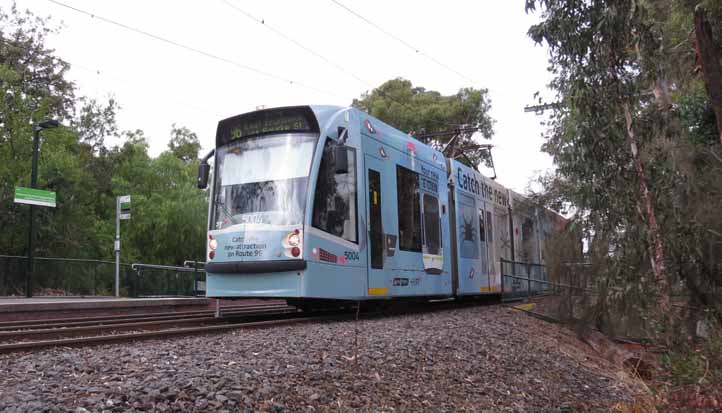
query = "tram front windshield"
{"x": 262, "y": 180}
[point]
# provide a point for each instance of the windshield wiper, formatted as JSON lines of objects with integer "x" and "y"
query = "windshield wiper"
{"x": 228, "y": 215}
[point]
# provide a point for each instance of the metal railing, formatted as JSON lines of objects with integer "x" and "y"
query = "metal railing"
{"x": 523, "y": 279}
{"x": 61, "y": 276}
{"x": 152, "y": 279}
{"x": 520, "y": 279}
{"x": 92, "y": 277}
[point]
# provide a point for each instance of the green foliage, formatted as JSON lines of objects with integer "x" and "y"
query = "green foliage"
{"x": 416, "y": 111}
{"x": 623, "y": 57}
{"x": 184, "y": 144}
{"x": 696, "y": 363}
{"x": 96, "y": 122}
{"x": 169, "y": 213}
{"x": 697, "y": 117}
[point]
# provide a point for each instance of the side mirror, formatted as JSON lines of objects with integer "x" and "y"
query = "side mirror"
{"x": 204, "y": 170}
{"x": 341, "y": 159}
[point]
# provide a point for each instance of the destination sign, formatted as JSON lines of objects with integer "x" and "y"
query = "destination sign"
{"x": 298, "y": 119}
{"x": 269, "y": 125}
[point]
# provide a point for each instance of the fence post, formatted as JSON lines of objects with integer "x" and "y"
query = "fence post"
{"x": 528, "y": 280}
{"x": 195, "y": 278}
{"x": 502, "y": 276}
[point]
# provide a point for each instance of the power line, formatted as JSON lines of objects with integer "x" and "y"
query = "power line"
{"x": 240, "y": 65}
{"x": 542, "y": 107}
{"x": 193, "y": 49}
{"x": 403, "y": 42}
{"x": 318, "y": 55}
{"x": 99, "y": 74}
{"x": 262, "y": 22}
{"x": 447, "y": 133}
{"x": 539, "y": 109}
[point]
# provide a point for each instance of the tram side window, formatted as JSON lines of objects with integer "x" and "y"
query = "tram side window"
{"x": 468, "y": 238}
{"x": 334, "y": 203}
{"x": 409, "y": 205}
{"x": 489, "y": 229}
{"x": 482, "y": 230}
{"x": 527, "y": 229}
{"x": 482, "y": 242}
{"x": 491, "y": 253}
{"x": 432, "y": 224}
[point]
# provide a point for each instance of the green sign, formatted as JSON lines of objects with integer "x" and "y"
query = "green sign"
{"x": 124, "y": 202}
{"x": 34, "y": 197}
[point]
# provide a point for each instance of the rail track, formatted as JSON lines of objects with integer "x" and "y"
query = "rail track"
{"x": 125, "y": 318}
{"x": 101, "y": 339}
{"x": 32, "y": 335}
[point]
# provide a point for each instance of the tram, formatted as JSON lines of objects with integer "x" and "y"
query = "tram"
{"x": 329, "y": 203}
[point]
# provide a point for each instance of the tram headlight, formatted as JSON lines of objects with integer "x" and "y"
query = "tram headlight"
{"x": 213, "y": 244}
{"x": 294, "y": 239}
{"x": 292, "y": 244}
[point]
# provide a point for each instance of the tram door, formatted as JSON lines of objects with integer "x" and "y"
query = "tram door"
{"x": 379, "y": 217}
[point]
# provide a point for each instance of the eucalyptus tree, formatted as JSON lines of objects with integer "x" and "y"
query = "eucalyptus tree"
{"x": 625, "y": 73}
{"x": 450, "y": 122}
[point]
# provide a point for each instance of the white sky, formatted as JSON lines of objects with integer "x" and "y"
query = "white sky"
{"x": 158, "y": 84}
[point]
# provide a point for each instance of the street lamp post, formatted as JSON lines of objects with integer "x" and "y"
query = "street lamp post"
{"x": 48, "y": 124}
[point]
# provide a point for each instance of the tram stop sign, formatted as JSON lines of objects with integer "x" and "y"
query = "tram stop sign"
{"x": 124, "y": 202}
{"x": 34, "y": 196}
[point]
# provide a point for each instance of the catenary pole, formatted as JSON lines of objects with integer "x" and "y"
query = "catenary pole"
{"x": 33, "y": 184}
{"x": 117, "y": 246}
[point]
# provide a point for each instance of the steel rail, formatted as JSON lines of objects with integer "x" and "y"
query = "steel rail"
{"x": 143, "y": 318}
{"x": 19, "y": 335}
{"x": 12, "y": 347}
{"x": 30, "y": 327}
{"x": 5, "y": 325}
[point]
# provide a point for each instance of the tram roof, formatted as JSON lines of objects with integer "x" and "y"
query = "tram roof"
{"x": 385, "y": 133}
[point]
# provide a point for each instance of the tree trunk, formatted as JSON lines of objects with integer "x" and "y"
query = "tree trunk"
{"x": 708, "y": 55}
{"x": 646, "y": 209}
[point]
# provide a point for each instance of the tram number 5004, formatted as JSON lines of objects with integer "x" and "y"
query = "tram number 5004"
{"x": 351, "y": 255}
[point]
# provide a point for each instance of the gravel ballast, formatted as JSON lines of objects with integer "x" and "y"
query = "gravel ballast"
{"x": 473, "y": 359}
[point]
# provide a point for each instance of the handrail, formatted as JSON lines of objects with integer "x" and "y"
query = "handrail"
{"x": 63, "y": 259}
{"x": 547, "y": 282}
{"x": 188, "y": 263}
{"x": 137, "y": 266}
{"x": 528, "y": 264}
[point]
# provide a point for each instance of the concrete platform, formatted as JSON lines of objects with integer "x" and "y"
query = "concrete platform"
{"x": 45, "y": 304}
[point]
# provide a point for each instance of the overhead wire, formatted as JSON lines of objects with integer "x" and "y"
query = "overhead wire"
{"x": 249, "y": 68}
{"x": 263, "y": 23}
{"x": 193, "y": 49}
{"x": 99, "y": 74}
{"x": 403, "y": 42}
{"x": 320, "y": 56}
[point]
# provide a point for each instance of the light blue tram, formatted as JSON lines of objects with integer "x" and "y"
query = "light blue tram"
{"x": 320, "y": 203}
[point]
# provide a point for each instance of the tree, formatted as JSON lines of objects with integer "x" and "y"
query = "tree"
{"x": 87, "y": 174}
{"x": 418, "y": 111}
{"x": 184, "y": 144}
{"x": 709, "y": 54}
{"x": 32, "y": 88}
{"x": 96, "y": 122}
{"x": 625, "y": 140}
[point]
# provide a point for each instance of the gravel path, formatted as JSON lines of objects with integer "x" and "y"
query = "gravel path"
{"x": 475, "y": 359}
